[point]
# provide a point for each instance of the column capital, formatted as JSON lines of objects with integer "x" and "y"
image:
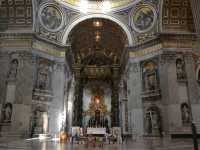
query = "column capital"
{"x": 58, "y": 66}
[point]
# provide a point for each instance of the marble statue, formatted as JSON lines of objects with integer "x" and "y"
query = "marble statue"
{"x": 153, "y": 122}
{"x": 151, "y": 82}
{"x": 43, "y": 77}
{"x": 180, "y": 69}
{"x": 13, "y": 69}
{"x": 7, "y": 113}
{"x": 185, "y": 112}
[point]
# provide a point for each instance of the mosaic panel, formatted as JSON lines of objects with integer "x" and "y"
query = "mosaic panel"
{"x": 51, "y": 18}
{"x": 143, "y": 18}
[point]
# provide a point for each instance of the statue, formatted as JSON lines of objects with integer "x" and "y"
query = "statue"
{"x": 7, "y": 113}
{"x": 153, "y": 121}
{"x": 148, "y": 124}
{"x": 38, "y": 122}
{"x": 185, "y": 111}
{"x": 180, "y": 69}
{"x": 13, "y": 69}
{"x": 150, "y": 76}
{"x": 43, "y": 77}
{"x": 151, "y": 81}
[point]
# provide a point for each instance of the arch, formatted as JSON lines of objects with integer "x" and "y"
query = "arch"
{"x": 77, "y": 21}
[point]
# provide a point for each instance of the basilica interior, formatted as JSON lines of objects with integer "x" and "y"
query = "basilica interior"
{"x": 75, "y": 69}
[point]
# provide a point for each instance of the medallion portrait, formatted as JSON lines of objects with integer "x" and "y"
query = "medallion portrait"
{"x": 51, "y": 18}
{"x": 143, "y": 18}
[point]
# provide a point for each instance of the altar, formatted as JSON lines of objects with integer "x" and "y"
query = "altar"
{"x": 96, "y": 131}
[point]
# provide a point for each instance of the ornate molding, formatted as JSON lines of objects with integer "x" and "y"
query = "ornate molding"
{"x": 174, "y": 40}
{"x": 15, "y": 43}
{"x": 168, "y": 57}
{"x": 145, "y": 51}
{"x": 49, "y": 49}
{"x": 59, "y": 66}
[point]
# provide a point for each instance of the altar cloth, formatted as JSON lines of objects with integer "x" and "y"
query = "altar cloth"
{"x": 96, "y": 131}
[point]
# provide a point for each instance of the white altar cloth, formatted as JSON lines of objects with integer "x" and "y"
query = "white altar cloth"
{"x": 96, "y": 131}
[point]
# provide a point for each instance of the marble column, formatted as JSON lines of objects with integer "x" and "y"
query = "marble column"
{"x": 56, "y": 110}
{"x": 78, "y": 101}
{"x": 115, "y": 98}
{"x": 124, "y": 115}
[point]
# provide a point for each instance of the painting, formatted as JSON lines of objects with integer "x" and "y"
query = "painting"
{"x": 51, "y": 18}
{"x": 143, "y": 18}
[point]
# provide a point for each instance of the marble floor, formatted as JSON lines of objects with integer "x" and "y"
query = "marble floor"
{"x": 139, "y": 144}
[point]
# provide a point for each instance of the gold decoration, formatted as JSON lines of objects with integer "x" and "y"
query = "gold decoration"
{"x": 97, "y": 102}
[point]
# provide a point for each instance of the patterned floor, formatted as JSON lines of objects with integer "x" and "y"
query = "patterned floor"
{"x": 139, "y": 144}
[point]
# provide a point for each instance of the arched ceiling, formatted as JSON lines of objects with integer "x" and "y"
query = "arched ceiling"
{"x": 98, "y": 5}
{"x": 97, "y": 42}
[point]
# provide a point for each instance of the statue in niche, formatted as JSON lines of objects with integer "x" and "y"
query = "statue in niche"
{"x": 151, "y": 81}
{"x": 13, "y": 69}
{"x": 150, "y": 76}
{"x": 185, "y": 113}
{"x": 7, "y": 113}
{"x": 38, "y": 122}
{"x": 43, "y": 76}
{"x": 180, "y": 69}
{"x": 153, "y": 122}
